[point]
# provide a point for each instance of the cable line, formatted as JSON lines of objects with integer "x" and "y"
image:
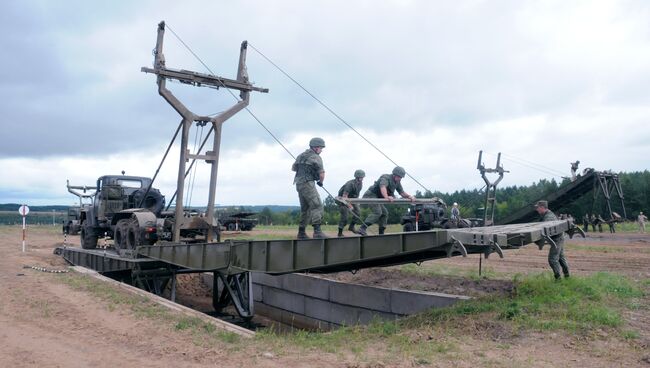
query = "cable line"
{"x": 334, "y": 113}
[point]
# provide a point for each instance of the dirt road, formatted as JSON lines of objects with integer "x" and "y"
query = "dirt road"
{"x": 46, "y": 323}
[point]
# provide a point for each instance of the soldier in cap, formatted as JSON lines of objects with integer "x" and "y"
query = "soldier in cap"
{"x": 555, "y": 254}
{"x": 574, "y": 169}
{"x": 351, "y": 189}
{"x": 384, "y": 187}
{"x": 309, "y": 172}
{"x": 455, "y": 212}
{"x": 641, "y": 219}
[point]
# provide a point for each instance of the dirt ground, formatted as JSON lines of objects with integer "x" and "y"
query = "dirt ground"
{"x": 45, "y": 323}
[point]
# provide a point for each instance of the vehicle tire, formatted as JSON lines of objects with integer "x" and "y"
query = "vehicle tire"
{"x": 154, "y": 201}
{"x": 121, "y": 233}
{"x": 133, "y": 234}
{"x": 231, "y": 227}
{"x": 88, "y": 237}
{"x": 408, "y": 227}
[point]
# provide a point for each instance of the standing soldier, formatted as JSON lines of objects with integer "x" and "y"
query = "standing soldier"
{"x": 555, "y": 254}
{"x": 351, "y": 189}
{"x": 585, "y": 222}
{"x": 574, "y": 168}
{"x": 641, "y": 219}
{"x": 455, "y": 213}
{"x": 385, "y": 188}
{"x": 309, "y": 172}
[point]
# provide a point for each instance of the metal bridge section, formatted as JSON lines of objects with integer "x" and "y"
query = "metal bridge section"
{"x": 598, "y": 181}
{"x": 352, "y": 253}
{"x": 231, "y": 262}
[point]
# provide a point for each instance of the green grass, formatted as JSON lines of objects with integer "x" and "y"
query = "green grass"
{"x": 540, "y": 303}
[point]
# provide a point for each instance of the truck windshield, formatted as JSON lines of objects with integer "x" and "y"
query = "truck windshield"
{"x": 130, "y": 183}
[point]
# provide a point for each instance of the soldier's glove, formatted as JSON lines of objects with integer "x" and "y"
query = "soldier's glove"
{"x": 320, "y": 183}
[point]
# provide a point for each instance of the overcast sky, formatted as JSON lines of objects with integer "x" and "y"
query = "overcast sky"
{"x": 429, "y": 83}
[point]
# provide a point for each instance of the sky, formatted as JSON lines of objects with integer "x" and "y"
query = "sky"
{"x": 430, "y": 84}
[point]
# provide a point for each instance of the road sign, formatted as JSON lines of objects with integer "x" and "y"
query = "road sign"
{"x": 23, "y": 210}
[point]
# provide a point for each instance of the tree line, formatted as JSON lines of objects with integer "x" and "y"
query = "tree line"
{"x": 635, "y": 187}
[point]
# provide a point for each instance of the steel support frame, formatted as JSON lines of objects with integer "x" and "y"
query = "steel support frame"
{"x": 235, "y": 289}
{"x": 188, "y": 118}
{"x": 490, "y": 187}
{"x": 608, "y": 183}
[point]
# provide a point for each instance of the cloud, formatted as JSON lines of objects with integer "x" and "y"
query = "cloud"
{"x": 429, "y": 83}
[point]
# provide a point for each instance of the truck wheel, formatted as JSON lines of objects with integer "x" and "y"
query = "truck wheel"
{"x": 121, "y": 233}
{"x": 231, "y": 227}
{"x": 88, "y": 237}
{"x": 133, "y": 234}
{"x": 408, "y": 227}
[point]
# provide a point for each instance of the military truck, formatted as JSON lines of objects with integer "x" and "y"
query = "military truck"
{"x": 124, "y": 208}
{"x": 232, "y": 221}
{"x": 71, "y": 224}
{"x": 129, "y": 210}
{"x": 430, "y": 216}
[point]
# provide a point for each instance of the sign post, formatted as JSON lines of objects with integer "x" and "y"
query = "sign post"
{"x": 23, "y": 210}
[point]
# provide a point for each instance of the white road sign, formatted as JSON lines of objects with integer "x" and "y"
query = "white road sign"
{"x": 23, "y": 210}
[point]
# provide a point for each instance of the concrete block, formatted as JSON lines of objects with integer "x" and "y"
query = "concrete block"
{"x": 258, "y": 293}
{"x": 319, "y": 309}
{"x": 409, "y": 302}
{"x": 306, "y": 285}
{"x": 284, "y": 300}
{"x": 360, "y": 296}
{"x": 267, "y": 280}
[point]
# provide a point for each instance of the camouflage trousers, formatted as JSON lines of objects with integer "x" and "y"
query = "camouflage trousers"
{"x": 379, "y": 214}
{"x": 345, "y": 214}
{"x": 311, "y": 207}
{"x": 556, "y": 258}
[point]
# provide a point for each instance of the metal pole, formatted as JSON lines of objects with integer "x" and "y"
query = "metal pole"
{"x": 180, "y": 182}
{"x": 23, "y": 232}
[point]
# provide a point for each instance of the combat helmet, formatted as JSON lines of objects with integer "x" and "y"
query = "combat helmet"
{"x": 317, "y": 142}
{"x": 399, "y": 171}
{"x": 359, "y": 174}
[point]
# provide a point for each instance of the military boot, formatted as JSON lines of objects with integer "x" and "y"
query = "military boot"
{"x": 302, "y": 234}
{"x": 352, "y": 229}
{"x": 340, "y": 234}
{"x": 362, "y": 230}
{"x": 318, "y": 234}
{"x": 382, "y": 230}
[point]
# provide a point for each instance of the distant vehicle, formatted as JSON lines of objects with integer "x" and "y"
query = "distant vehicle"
{"x": 431, "y": 216}
{"x": 238, "y": 221}
{"x": 72, "y": 223}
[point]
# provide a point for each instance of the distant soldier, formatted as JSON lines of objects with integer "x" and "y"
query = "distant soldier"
{"x": 594, "y": 222}
{"x": 600, "y": 222}
{"x": 641, "y": 219}
{"x": 384, "y": 187}
{"x": 309, "y": 172}
{"x": 351, "y": 189}
{"x": 455, "y": 212}
{"x": 555, "y": 254}
{"x": 585, "y": 222}
{"x": 574, "y": 169}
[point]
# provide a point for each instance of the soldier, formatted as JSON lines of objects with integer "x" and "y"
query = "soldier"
{"x": 309, "y": 172}
{"x": 641, "y": 219}
{"x": 594, "y": 222}
{"x": 384, "y": 187}
{"x": 455, "y": 213}
{"x": 555, "y": 254}
{"x": 574, "y": 168}
{"x": 351, "y": 189}
{"x": 585, "y": 222}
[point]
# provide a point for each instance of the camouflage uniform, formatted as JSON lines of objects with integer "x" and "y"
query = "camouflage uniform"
{"x": 308, "y": 165}
{"x": 556, "y": 254}
{"x": 379, "y": 213}
{"x": 353, "y": 189}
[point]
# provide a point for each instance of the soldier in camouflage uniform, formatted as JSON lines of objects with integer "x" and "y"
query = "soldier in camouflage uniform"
{"x": 384, "y": 187}
{"x": 555, "y": 254}
{"x": 351, "y": 189}
{"x": 309, "y": 172}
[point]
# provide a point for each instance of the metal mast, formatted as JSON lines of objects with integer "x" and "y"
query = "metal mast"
{"x": 188, "y": 117}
